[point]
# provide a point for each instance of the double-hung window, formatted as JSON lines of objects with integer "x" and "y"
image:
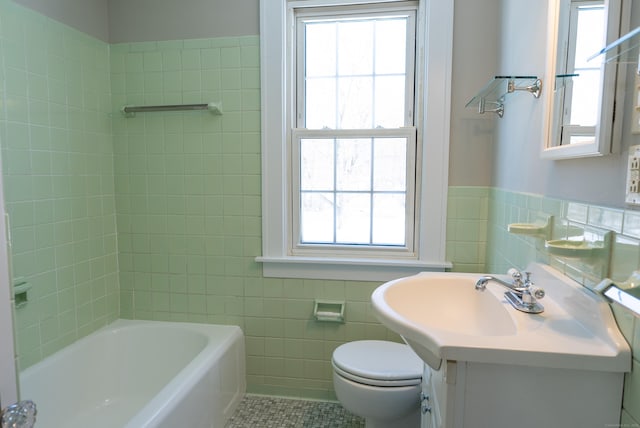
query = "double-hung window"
{"x": 354, "y": 143}
{"x": 354, "y": 185}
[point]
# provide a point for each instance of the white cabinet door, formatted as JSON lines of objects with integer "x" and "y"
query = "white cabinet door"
{"x": 426, "y": 410}
{"x": 445, "y": 397}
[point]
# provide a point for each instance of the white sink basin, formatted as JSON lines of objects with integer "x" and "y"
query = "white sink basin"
{"x": 442, "y": 316}
{"x": 438, "y": 302}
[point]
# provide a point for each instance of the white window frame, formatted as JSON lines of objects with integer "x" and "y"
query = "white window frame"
{"x": 432, "y": 117}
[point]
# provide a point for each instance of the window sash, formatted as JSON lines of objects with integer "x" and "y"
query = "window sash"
{"x": 364, "y": 250}
{"x": 576, "y": 134}
{"x": 303, "y": 15}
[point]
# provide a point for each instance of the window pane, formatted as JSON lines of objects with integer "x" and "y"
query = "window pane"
{"x": 321, "y": 103}
{"x": 584, "y": 100}
{"x": 355, "y": 48}
{"x": 353, "y": 211}
{"x": 389, "y": 103}
{"x": 388, "y": 219}
{"x": 590, "y": 35}
{"x": 354, "y": 71}
{"x": 581, "y": 139}
{"x": 321, "y": 48}
{"x": 391, "y": 34}
{"x": 316, "y": 217}
{"x": 355, "y": 97}
{"x": 589, "y": 38}
{"x": 353, "y": 164}
{"x": 316, "y": 164}
{"x": 390, "y": 164}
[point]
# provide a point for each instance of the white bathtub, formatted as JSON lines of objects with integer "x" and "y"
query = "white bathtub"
{"x": 136, "y": 374}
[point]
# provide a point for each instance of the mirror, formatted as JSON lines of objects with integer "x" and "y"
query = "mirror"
{"x": 581, "y": 107}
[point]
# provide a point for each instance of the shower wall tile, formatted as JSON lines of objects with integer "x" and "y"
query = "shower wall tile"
{"x": 189, "y": 215}
{"x": 57, "y": 160}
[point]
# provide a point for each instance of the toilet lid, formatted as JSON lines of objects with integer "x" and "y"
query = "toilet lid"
{"x": 378, "y": 362}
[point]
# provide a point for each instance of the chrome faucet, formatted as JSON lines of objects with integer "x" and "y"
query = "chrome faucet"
{"x": 19, "y": 415}
{"x": 522, "y": 295}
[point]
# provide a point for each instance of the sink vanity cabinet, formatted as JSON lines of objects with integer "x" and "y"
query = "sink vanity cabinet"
{"x": 488, "y": 365}
{"x": 483, "y": 395}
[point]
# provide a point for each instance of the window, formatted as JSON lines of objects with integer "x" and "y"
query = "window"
{"x": 579, "y": 100}
{"x": 354, "y": 143}
{"x": 355, "y": 137}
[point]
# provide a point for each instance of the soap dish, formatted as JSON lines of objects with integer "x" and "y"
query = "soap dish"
{"x": 541, "y": 228}
{"x": 573, "y": 249}
{"x": 527, "y": 229}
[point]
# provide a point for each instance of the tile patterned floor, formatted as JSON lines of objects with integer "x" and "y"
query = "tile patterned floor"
{"x": 257, "y": 411}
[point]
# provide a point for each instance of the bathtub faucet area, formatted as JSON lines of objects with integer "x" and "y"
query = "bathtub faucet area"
{"x": 19, "y": 415}
{"x": 523, "y": 295}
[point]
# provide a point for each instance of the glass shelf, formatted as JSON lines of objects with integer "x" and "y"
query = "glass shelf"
{"x": 622, "y": 51}
{"x": 562, "y": 79}
{"x": 491, "y": 97}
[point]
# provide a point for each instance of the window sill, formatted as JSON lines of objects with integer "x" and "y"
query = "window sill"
{"x": 346, "y": 269}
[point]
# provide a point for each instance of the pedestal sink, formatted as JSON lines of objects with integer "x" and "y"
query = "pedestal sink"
{"x": 483, "y": 357}
{"x": 442, "y": 316}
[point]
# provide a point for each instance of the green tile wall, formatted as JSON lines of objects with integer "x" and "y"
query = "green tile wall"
{"x": 505, "y": 250}
{"x": 467, "y": 214}
{"x": 57, "y": 162}
{"x": 189, "y": 215}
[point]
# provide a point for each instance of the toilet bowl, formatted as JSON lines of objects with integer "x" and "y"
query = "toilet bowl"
{"x": 379, "y": 381}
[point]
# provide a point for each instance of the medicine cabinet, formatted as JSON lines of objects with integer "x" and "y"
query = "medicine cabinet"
{"x": 584, "y": 100}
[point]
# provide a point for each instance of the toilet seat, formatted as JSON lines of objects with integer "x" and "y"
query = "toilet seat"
{"x": 378, "y": 363}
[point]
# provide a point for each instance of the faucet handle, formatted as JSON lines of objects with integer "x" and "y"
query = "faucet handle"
{"x": 537, "y": 292}
{"x": 527, "y": 280}
{"x": 514, "y": 273}
{"x": 534, "y": 290}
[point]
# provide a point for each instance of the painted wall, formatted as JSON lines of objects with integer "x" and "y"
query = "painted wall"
{"x": 519, "y": 136}
{"x": 155, "y": 20}
{"x": 475, "y": 61}
{"x": 88, "y": 16}
{"x": 119, "y": 21}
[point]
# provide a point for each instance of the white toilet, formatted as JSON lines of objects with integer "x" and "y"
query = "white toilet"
{"x": 379, "y": 381}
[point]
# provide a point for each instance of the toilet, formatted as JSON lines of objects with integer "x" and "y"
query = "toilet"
{"x": 379, "y": 381}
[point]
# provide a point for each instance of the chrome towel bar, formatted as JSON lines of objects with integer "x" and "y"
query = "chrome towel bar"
{"x": 130, "y": 111}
